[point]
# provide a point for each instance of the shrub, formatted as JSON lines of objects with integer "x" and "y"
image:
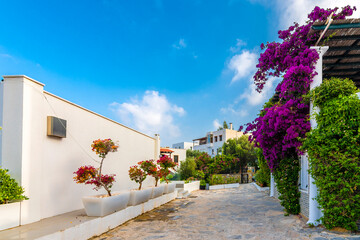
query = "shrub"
{"x": 9, "y": 188}
{"x": 334, "y": 150}
{"x": 217, "y": 179}
{"x": 187, "y": 168}
{"x": 166, "y": 163}
{"x": 286, "y": 178}
{"x": 262, "y": 176}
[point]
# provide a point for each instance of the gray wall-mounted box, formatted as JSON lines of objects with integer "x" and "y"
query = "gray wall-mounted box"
{"x": 56, "y": 127}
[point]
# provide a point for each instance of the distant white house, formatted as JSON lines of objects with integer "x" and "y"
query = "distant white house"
{"x": 183, "y": 145}
{"x": 177, "y": 155}
{"x": 213, "y": 141}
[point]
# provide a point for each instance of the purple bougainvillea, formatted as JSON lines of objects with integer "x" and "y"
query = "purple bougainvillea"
{"x": 280, "y": 129}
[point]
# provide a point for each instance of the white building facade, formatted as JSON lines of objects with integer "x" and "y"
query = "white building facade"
{"x": 213, "y": 141}
{"x": 183, "y": 145}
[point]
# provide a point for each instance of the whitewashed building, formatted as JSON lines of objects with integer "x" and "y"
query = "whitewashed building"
{"x": 213, "y": 141}
{"x": 183, "y": 145}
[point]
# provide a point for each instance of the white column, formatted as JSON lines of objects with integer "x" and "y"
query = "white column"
{"x": 272, "y": 185}
{"x": 24, "y": 127}
{"x": 157, "y": 147}
{"x": 314, "y": 209}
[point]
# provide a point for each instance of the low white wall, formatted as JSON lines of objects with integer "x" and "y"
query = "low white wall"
{"x": 44, "y": 165}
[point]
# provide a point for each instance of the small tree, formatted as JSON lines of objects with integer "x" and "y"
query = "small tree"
{"x": 166, "y": 163}
{"x": 137, "y": 174}
{"x": 150, "y": 168}
{"x": 187, "y": 168}
{"x": 91, "y": 175}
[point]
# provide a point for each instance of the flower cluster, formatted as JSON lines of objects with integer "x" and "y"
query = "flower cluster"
{"x": 166, "y": 162}
{"x": 103, "y": 147}
{"x": 279, "y": 129}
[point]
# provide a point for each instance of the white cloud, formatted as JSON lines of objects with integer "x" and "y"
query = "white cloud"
{"x": 297, "y": 10}
{"x": 242, "y": 112}
{"x": 243, "y": 64}
{"x": 216, "y": 124}
{"x": 152, "y": 114}
{"x": 239, "y": 43}
{"x": 180, "y": 44}
{"x": 255, "y": 98}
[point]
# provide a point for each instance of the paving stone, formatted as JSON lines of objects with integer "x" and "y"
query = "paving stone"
{"x": 241, "y": 213}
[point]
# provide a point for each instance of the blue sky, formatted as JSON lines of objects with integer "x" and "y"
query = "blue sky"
{"x": 174, "y": 67}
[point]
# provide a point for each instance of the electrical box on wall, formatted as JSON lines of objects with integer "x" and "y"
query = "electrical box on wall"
{"x": 56, "y": 127}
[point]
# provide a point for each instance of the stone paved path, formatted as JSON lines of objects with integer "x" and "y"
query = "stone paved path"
{"x": 241, "y": 213}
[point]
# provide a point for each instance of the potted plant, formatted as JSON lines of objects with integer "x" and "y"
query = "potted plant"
{"x": 140, "y": 195}
{"x": 166, "y": 163}
{"x": 10, "y": 196}
{"x": 102, "y": 204}
{"x": 153, "y": 170}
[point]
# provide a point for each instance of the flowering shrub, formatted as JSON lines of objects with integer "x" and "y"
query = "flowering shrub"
{"x": 280, "y": 130}
{"x": 137, "y": 174}
{"x": 92, "y": 175}
{"x": 166, "y": 163}
{"x": 152, "y": 169}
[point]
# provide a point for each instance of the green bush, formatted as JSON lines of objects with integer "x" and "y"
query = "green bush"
{"x": 9, "y": 188}
{"x": 334, "y": 150}
{"x": 262, "y": 176}
{"x": 286, "y": 177}
{"x": 216, "y": 180}
{"x": 202, "y": 183}
{"x": 187, "y": 168}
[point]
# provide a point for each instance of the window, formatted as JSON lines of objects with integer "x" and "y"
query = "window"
{"x": 304, "y": 176}
{"x": 220, "y": 138}
{"x": 176, "y": 158}
{"x": 212, "y": 151}
{"x": 191, "y": 148}
{"x": 215, "y": 138}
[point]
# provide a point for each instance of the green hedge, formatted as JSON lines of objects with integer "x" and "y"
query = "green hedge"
{"x": 334, "y": 150}
{"x": 286, "y": 177}
{"x": 9, "y": 189}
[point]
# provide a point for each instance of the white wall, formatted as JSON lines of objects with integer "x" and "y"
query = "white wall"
{"x": 183, "y": 145}
{"x": 44, "y": 165}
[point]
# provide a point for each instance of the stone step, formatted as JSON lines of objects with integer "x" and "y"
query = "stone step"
{"x": 182, "y": 194}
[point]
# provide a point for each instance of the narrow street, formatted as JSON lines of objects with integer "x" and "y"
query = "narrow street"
{"x": 241, "y": 213}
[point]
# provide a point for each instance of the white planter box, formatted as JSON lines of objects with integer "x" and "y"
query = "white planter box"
{"x": 169, "y": 187}
{"x": 139, "y": 196}
{"x": 9, "y": 215}
{"x": 99, "y": 207}
{"x": 232, "y": 185}
{"x": 192, "y": 186}
{"x": 222, "y": 186}
{"x": 158, "y": 191}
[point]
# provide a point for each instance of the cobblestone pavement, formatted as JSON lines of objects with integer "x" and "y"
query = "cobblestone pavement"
{"x": 239, "y": 213}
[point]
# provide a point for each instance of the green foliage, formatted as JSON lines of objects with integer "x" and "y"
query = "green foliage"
{"x": 242, "y": 149}
{"x": 220, "y": 179}
{"x": 334, "y": 150}
{"x": 202, "y": 183}
{"x": 187, "y": 168}
{"x": 286, "y": 177}
{"x": 192, "y": 153}
{"x": 217, "y": 179}
{"x": 9, "y": 188}
{"x": 262, "y": 176}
